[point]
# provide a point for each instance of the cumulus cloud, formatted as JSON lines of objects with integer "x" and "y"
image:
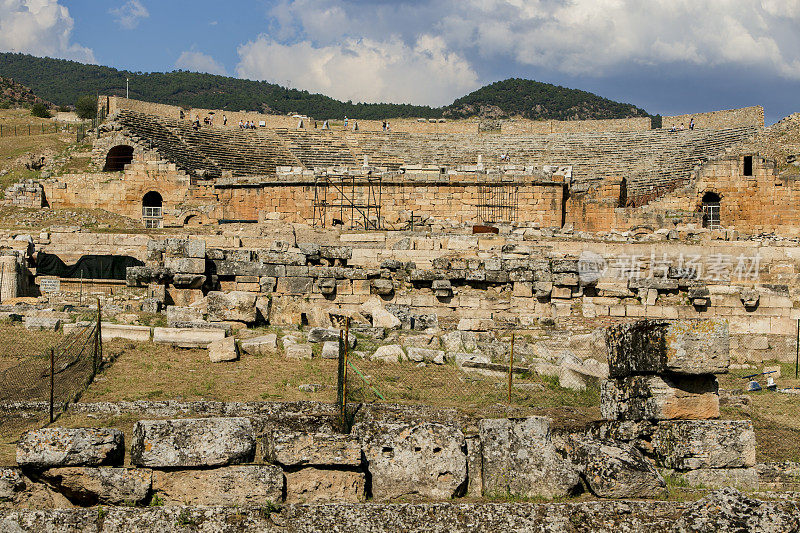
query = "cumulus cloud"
{"x": 576, "y": 37}
{"x": 129, "y": 14}
{"x": 199, "y": 62}
{"x": 40, "y": 27}
{"x": 367, "y": 70}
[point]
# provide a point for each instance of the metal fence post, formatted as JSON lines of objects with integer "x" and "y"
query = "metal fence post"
{"x": 52, "y": 381}
{"x": 511, "y": 368}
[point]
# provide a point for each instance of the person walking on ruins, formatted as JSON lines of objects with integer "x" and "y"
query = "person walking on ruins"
{"x": 345, "y": 122}
{"x": 241, "y": 124}
{"x": 691, "y": 124}
{"x": 224, "y": 120}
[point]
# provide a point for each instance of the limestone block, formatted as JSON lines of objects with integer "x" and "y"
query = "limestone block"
{"x": 294, "y": 449}
{"x": 693, "y": 444}
{"x": 262, "y": 344}
{"x": 184, "y": 317}
{"x": 56, "y": 446}
{"x": 325, "y": 334}
{"x": 236, "y": 305}
{"x": 717, "y": 478}
{"x": 124, "y": 331}
{"x": 11, "y": 482}
{"x": 107, "y": 485}
{"x": 614, "y": 469}
{"x": 294, "y": 285}
{"x": 424, "y": 460}
{"x": 520, "y": 459}
{"x": 42, "y": 322}
{"x": 315, "y": 485}
{"x": 299, "y": 351}
{"x": 185, "y": 265}
{"x": 242, "y": 485}
{"x": 188, "y": 281}
{"x": 660, "y": 398}
{"x": 192, "y": 442}
{"x": 476, "y": 324}
{"x": 383, "y": 287}
{"x": 327, "y": 286}
{"x": 381, "y": 318}
{"x": 223, "y": 350}
{"x": 330, "y": 350}
{"x": 561, "y": 293}
{"x": 187, "y": 337}
{"x": 420, "y": 355}
{"x": 196, "y": 248}
{"x": 564, "y": 265}
{"x": 391, "y": 353}
{"x": 657, "y": 346}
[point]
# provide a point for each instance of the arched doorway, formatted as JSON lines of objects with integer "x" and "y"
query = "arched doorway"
{"x": 118, "y": 157}
{"x": 152, "y": 213}
{"x": 710, "y": 209}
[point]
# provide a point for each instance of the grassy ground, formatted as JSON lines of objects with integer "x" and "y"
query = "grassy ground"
{"x": 775, "y": 415}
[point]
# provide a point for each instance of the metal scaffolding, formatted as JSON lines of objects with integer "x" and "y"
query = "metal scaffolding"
{"x": 355, "y": 199}
{"x": 497, "y": 202}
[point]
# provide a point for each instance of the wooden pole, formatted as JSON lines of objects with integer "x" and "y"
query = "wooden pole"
{"x": 52, "y": 381}
{"x": 511, "y": 369}
{"x": 344, "y": 377}
{"x": 797, "y": 350}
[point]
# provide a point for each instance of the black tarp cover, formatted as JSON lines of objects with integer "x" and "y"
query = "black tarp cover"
{"x": 87, "y": 267}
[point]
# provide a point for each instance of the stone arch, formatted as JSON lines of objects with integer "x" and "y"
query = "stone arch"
{"x": 710, "y": 206}
{"x": 117, "y": 157}
{"x": 192, "y": 220}
{"x": 152, "y": 209}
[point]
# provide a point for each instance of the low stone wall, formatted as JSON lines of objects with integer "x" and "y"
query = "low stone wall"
{"x": 718, "y": 120}
{"x": 515, "y": 126}
{"x": 716, "y": 512}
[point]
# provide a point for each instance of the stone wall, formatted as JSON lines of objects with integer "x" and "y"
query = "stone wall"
{"x": 717, "y": 120}
{"x": 513, "y": 126}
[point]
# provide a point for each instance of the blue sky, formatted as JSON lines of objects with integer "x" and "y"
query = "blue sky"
{"x": 667, "y": 56}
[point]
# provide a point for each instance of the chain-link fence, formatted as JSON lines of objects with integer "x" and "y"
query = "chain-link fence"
{"x": 51, "y": 369}
{"x": 475, "y": 372}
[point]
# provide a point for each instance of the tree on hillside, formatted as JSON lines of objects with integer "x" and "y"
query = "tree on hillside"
{"x": 40, "y": 110}
{"x": 86, "y": 107}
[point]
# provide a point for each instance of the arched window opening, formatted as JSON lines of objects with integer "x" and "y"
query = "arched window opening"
{"x": 710, "y": 207}
{"x": 192, "y": 221}
{"x": 117, "y": 158}
{"x": 152, "y": 210}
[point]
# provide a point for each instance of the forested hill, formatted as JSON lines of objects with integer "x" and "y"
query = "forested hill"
{"x": 62, "y": 82}
{"x": 536, "y": 100}
{"x": 14, "y": 94}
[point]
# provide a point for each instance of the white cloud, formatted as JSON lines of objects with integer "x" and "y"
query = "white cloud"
{"x": 577, "y": 37}
{"x": 366, "y": 70}
{"x": 40, "y": 27}
{"x": 129, "y": 14}
{"x": 199, "y": 62}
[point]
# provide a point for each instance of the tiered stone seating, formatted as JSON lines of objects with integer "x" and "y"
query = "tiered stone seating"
{"x": 318, "y": 149}
{"x": 649, "y": 160}
{"x": 243, "y": 153}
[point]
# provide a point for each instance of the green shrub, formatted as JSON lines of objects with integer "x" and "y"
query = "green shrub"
{"x": 40, "y": 110}
{"x": 86, "y": 107}
{"x": 5, "y": 104}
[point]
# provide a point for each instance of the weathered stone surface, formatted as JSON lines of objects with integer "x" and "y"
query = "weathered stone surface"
{"x": 186, "y": 265}
{"x": 314, "y": 485}
{"x": 124, "y": 331}
{"x": 192, "y": 442}
{"x": 42, "y": 322}
{"x": 263, "y": 344}
{"x": 55, "y": 446}
{"x": 520, "y": 459}
{"x": 693, "y": 444}
{"x": 614, "y": 469}
{"x": 717, "y": 478}
{"x": 187, "y": 337}
{"x": 312, "y": 449}
{"x": 90, "y": 486}
{"x": 223, "y": 350}
{"x": 299, "y": 351}
{"x": 420, "y": 355}
{"x": 658, "y": 346}
{"x": 238, "y": 306}
{"x": 230, "y": 485}
{"x": 726, "y": 510}
{"x": 659, "y": 398}
{"x": 11, "y": 483}
{"x": 390, "y": 353}
{"x": 475, "y": 324}
{"x": 323, "y": 334}
{"x": 424, "y": 460}
{"x": 730, "y": 510}
{"x": 384, "y": 287}
{"x": 330, "y": 350}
